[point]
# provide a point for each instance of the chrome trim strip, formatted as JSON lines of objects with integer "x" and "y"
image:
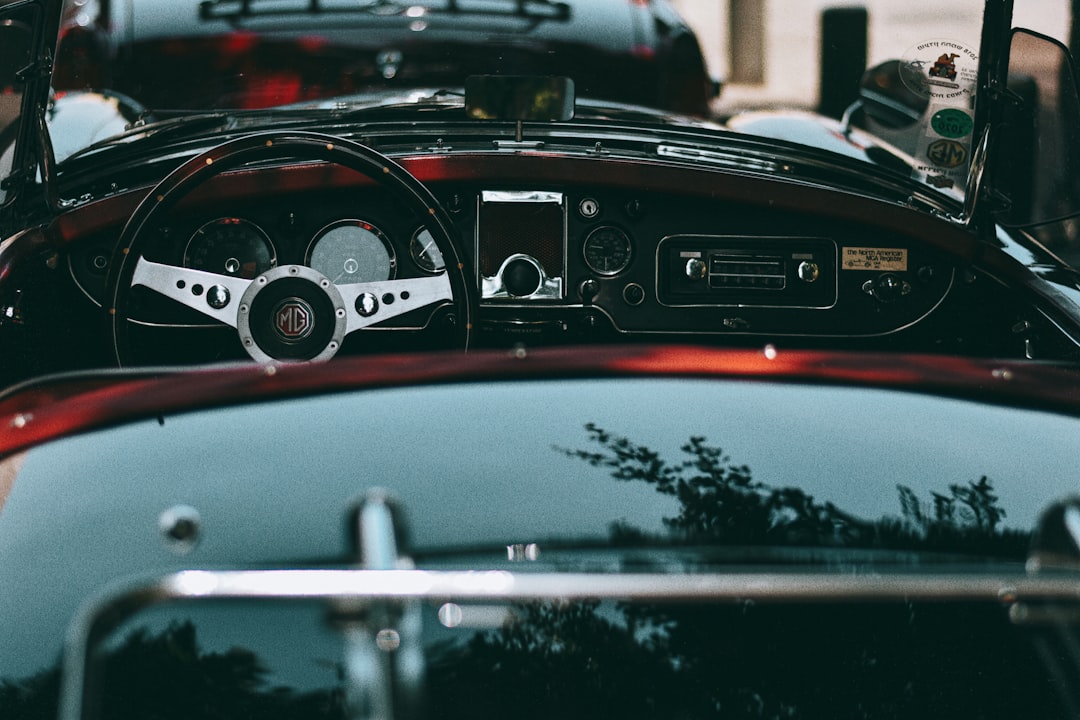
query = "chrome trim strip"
{"x": 726, "y": 160}
{"x": 521, "y": 196}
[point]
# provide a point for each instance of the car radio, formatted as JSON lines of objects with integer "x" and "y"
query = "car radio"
{"x": 743, "y": 270}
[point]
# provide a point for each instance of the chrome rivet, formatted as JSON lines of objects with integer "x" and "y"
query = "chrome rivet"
{"x": 181, "y": 527}
{"x": 450, "y": 615}
{"x": 388, "y": 640}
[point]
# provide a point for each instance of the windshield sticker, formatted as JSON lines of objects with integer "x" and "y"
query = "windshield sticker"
{"x": 945, "y": 148}
{"x": 947, "y": 154}
{"x": 870, "y": 258}
{"x": 952, "y": 123}
{"x": 941, "y": 69}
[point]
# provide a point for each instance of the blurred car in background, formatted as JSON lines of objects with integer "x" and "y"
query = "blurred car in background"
{"x": 621, "y": 50}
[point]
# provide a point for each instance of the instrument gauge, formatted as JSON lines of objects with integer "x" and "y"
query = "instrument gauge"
{"x": 352, "y": 251}
{"x": 425, "y": 253}
{"x": 607, "y": 250}
{"x": 230, "y": 246}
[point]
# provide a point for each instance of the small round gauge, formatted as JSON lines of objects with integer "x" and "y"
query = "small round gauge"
{"x": 607, "y": 250}
{"x": 230, "y": 246}
{"x": 425, "y": 253}
{"x": 352, "y": 251}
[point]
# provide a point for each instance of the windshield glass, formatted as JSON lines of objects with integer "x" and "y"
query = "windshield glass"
{"x": 611, "y": 476}
{"x": 121, "y": 62}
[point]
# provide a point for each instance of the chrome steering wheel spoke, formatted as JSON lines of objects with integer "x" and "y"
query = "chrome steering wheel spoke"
{"x": 374, "y": 302}
{"x": 215, "y": 296}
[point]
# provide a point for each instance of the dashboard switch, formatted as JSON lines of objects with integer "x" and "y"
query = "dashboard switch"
{"x": 633, "y": 294}
{"x": 887, "y": 288}
{"x": 589, "y": 289}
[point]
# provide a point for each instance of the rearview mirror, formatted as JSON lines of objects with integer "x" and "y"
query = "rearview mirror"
{"x": 519, "y": 97}
{"x": 888, "y": 100}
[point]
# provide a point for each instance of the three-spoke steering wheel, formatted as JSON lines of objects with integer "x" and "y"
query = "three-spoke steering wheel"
{"x": 290, "y": 312}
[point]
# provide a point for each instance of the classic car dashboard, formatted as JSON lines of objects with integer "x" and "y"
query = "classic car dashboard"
{"x": 590, "y": 250}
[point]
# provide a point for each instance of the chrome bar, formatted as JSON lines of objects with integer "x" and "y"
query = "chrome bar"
{"x": 369, "y": 671}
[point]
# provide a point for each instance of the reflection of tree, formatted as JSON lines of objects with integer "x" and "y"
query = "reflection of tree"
{"x": 746, "y": 660}
{"x": 967, "y": 519}
{"x": 759, "y": 660}
{"x": 721, "y": 503}
{"x": 735, "y": 660}
{"x": 557, "y": 661}
{"x": 35, "y": 698}
{"x": 168, "y": 676}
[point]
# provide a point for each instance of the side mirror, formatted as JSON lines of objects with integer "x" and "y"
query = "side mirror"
{"x": 1037, "y": 147}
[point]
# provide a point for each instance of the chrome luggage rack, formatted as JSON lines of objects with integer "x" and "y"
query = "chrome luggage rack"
{"x": 383, "y": 597}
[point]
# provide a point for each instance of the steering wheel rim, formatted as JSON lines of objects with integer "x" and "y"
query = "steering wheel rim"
{"x": 130, "y": 269}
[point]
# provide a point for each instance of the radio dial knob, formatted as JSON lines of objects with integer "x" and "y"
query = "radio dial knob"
{"x": 696, "y": 269}
{"x": 809, "y": 271}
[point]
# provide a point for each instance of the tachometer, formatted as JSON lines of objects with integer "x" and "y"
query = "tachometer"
{"x": 230, "y": 246}
{"x": 607, "y": 250}
{"x": 352, "y": 251}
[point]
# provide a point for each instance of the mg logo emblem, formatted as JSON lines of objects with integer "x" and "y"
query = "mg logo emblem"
{"x": 293, "y": 319}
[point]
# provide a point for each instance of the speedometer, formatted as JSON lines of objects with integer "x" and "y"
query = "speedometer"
{"x": 352, "y": 251}
{"x": 230, "y": 246}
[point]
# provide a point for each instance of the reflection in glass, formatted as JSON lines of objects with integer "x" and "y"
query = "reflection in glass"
{"x": 961, "y": 660}
{"x": 722, "y": 504}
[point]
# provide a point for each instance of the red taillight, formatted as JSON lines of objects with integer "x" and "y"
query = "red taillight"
{"x": 312, "y": 43}
{"x": 238, "y": 43}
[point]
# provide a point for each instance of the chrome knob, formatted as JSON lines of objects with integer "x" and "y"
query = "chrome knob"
{"x": 696, "y": 269}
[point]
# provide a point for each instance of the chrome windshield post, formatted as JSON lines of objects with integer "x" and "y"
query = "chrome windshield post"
{"x": 384, "y": 666}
